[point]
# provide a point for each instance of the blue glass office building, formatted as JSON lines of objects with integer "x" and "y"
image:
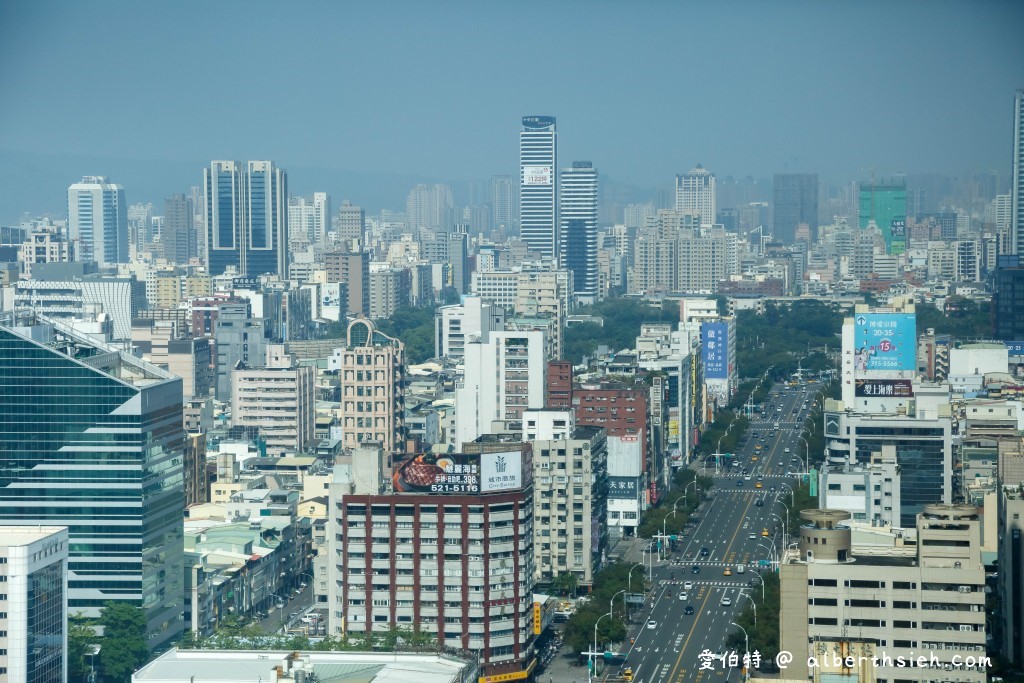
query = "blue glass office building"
{"x": 246, "y": 218}
{"x": 92, "y": 439}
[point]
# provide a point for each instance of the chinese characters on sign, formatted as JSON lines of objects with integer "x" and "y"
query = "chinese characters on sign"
{"x": 885, "y": 341}
{"x": 537, "y": 175}
{"x": 884, "y": 388}
{"x": 715, "y": 350}
{"x": 624, "y": 488}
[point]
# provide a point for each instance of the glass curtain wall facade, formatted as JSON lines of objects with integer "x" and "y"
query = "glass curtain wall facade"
{"x": 578, "y": 211}
{"x": 246, "y": 218}
{"x": 886, "y": 205}
{"x": 92, "y": 439}
{"x": 45, "y": 632}
{"x": 921, "y": 454}
{"x": 795, "y": 201}
{"x": 538, "y": 194}
{"x": 1017, "y": 179}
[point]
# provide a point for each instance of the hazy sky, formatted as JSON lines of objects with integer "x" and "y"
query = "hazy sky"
{"x": 436, "y": 89}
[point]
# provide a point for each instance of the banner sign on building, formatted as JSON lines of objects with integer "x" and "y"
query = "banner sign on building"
{"x": 883, "y": 388}
{"x": 460, "y": 473}
{"x": 623, "y": 488}
{"x": 537, "y": 175}
{"x": 1015, "y": 348}
{"x": 884, "y": 341}
{"x": 715, "y": 349}
{"x": 247, "y": 282}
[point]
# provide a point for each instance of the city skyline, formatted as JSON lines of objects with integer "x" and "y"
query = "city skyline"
{"x": 844, "y": 112}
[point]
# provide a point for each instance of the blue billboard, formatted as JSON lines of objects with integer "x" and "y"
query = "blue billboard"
{"x": 885, "y": 341}
{"x": 715, "y": 349}
{"x": 1015, "y": 348}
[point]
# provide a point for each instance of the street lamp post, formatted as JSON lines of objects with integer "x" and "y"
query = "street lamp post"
{"x": 771, "y": 552}
{"x": 746, "y": 649}
{"x": 281, "y": 605}
{"x": 649, "y": 553}
{"x": 757, "y": 575}
{"x": 611, "y": 609}
{"x": 593, "y": 651}
{"x": 686, "y": 492}
{"x": 807, "y": 453}
{"x": 792, "y": 496}
{"x": 785, "y": 536}
{"x": 629, "y": 577}
{"x": 752, "y": 604}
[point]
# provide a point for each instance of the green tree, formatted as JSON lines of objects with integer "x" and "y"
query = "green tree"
{"x": 764, "y": 636}
{"x": 124, "y": 641}
{"x": 81, "y": 639}
{"x": 566, "y": 583}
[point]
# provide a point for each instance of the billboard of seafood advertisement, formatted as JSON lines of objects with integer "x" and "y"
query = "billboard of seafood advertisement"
{"x": 460, "y": 473}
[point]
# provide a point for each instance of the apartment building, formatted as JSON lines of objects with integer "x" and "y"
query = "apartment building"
{"x": 503, "y": 378}
{"x": 277, "y": 400}
{"x": 570, "y": 495}
{"x": 457, "y": 323}
{"x": 371, "y": 375}
{"x": 892, "y": 601}
{"x": 448, "y": 551}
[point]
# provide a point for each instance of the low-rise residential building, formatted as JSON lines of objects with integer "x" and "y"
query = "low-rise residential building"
{"x": 900, "y": 600}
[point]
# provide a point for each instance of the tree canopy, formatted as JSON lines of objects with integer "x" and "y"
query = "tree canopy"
{"x": 124, "y": 640}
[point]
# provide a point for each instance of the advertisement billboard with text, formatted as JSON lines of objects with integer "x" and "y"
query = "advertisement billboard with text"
{"x": 715, "y": 350}
{"x": 537, "y": 175}
{"x": 883, "y": 388}
{"x": 460, "y": 473}
{"x": 624, "y": 488}
{"x": 884, "y": 341}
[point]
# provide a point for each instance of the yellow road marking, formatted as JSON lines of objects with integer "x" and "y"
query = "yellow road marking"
{"x": 682, "y": 649}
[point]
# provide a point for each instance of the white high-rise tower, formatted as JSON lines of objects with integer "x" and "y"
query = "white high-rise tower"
{"x": 538, "y": 194}
{"x": 577, "y": 251}
{"x": 98, "y": 221}
{"x": 695, "y": 194}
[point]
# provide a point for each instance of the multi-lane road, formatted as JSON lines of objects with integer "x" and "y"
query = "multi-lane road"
{"x": 697, "y": 589}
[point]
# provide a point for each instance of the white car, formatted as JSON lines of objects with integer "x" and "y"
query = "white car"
{"x": 683, "y": 597}
{"x": 752, "y": 536}
{"x": 652, "y": 624}
{"x": 726, "y": 602}
{"x": 786, "y": 451}
{"x": 688, "y": 586}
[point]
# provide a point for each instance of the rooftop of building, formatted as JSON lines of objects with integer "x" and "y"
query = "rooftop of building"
{"x": 328, "y": 667}
{"x": 58, "y": 337}
{"x": 11, "y": 536}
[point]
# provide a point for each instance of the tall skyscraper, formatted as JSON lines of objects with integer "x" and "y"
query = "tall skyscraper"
{"x": 179, "y": 237}
{"x": 98, "y": 221}
{"x": 795, "y": 202}
{"x": 578, "y": 228}
{"x": 431, "y": 207}
{"x": 92, "y": 439}
{"x": 246, "y": 217}
{"x": 1017, "y": 188}
{"x": 538, "y": 193}
{"x": 885, "y": 203}
{"x": 502, "y": 199}
{"x": 695, "y": 193}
